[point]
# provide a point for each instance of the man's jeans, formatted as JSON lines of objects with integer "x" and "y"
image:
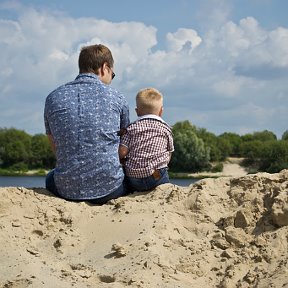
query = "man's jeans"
{"x": 50, "y": 185}
{"x": 148, "y": 183}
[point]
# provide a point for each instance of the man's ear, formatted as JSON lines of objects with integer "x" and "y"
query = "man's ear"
{"x": 100, "y": 72}
{"x": 103, "y": 67}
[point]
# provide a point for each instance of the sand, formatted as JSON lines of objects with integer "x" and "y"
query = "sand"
{"x": 225, "y": 232}
{"x": 231, "y": 168}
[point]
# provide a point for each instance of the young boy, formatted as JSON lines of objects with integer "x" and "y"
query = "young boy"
{"x": 147, "y": 144}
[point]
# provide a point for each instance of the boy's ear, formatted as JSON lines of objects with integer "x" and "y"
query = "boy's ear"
{"x": 161, "y": 111}
{"x": 136, "y": 110}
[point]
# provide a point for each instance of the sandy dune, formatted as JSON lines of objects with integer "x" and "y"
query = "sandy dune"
{"x": 225, "y": 232}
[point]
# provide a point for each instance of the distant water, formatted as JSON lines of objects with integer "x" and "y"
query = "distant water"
{"x": 39, "y": 181}
{"x": 183, "y": 182}
{"x": 22, "y": 181}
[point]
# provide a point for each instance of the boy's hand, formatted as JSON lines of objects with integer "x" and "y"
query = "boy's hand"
{"x": 122, "y": 161}
{"x": 122, "y": 132}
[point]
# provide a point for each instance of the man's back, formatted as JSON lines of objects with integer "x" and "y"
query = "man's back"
{"x": 84, "y": 117}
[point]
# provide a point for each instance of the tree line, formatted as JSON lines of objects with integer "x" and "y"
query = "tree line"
{"x": 196, "y": 149}
{"x": 20, "y": 151}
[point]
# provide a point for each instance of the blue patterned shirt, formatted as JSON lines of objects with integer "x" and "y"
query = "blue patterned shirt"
{"x": 84, "y": 117}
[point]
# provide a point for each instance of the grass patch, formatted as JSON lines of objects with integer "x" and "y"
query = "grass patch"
{"x": 12, "y": 172}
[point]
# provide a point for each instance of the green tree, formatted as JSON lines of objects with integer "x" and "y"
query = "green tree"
{"x": 15, "y": 147}
{"x": 285, "y": 136}
{"x": 15, "y": 153}
{"x": 251, "y": 150}
{"x": 274, "y": 156}
{"x": 235, "y": 142}
{"x": 259, "y": 136}
{"x": 247, "y": 137}
{"x": 264, "y": 136}
{"x": 190, "y": 153}
{"x": 211, "y": 141}
{"x": 225, "y": 148}
{"x": 184, "y": 126}
{"x": 41, "y": 152}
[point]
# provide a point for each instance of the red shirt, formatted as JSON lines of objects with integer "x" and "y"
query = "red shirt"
{"x": 150, "y": 143}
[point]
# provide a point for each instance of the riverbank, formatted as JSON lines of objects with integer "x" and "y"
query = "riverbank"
{"x": 231, "y": 168}
{"x": 224, "y": 232}
{"x": 9, "y": 172}
{"x": 39, "y": 181}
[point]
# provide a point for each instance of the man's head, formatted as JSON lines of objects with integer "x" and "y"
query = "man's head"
{"x": 97, "y": 59}
{"x": 149, "y": 101}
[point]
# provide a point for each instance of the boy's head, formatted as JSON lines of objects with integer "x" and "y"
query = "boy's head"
{"x": 149, "y": 101}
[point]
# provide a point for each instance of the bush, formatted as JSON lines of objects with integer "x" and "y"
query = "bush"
{"x": 191, "y": 154}
{"x": 274, "y": 156}
{"x": 20, "y": 167}
{"x": 217, "y": 168}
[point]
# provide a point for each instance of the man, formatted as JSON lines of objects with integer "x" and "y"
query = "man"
{"x": 82, "y": 120}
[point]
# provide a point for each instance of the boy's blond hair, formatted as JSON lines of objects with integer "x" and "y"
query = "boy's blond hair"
{"x": 149, "y": 101}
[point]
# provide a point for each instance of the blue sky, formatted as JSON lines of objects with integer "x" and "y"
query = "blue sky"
{"x": 221, "y": 64}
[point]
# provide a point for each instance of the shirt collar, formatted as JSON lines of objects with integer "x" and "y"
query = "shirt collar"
{"x": 91, "y": 75}
{"x": 151, "y": 116}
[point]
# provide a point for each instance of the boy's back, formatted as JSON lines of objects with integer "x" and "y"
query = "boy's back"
{"x": 150, "y": 143}
{"x": 147, "y": 145}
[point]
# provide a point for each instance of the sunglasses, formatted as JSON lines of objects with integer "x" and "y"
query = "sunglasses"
{"x": 113, "y": 74}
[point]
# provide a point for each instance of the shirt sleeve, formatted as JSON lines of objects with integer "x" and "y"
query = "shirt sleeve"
{"x": 170, "y": 145}
{"x": 125, "y": 140}
{"x": 46, "y": 123}
{"x": 124, "y": 118}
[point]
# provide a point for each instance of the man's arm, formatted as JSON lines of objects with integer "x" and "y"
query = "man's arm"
{"x": 124, "y": 117}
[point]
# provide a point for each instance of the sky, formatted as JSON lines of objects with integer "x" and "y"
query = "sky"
{"x": 221, "y": 64}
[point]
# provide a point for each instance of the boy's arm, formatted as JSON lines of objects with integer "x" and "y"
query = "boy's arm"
{"x": 170, "y": 146}
{"x": 123, "y": 152}
{"x": 170, "y": 155}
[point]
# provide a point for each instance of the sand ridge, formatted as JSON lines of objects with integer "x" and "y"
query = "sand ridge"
{"x": 225, "y": 232}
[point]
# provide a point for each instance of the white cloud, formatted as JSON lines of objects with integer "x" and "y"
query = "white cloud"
{"x": 183, "y": 39}
{"x": 214, "y": 80}
{"x": 10, "y": 32}
{"x": 59, "y": 55}
{"x": 278, "y": 43}
{"x": 228, "y": 87}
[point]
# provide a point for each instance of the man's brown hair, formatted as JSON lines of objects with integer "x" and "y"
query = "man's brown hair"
{"x": 93, "y": 57}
